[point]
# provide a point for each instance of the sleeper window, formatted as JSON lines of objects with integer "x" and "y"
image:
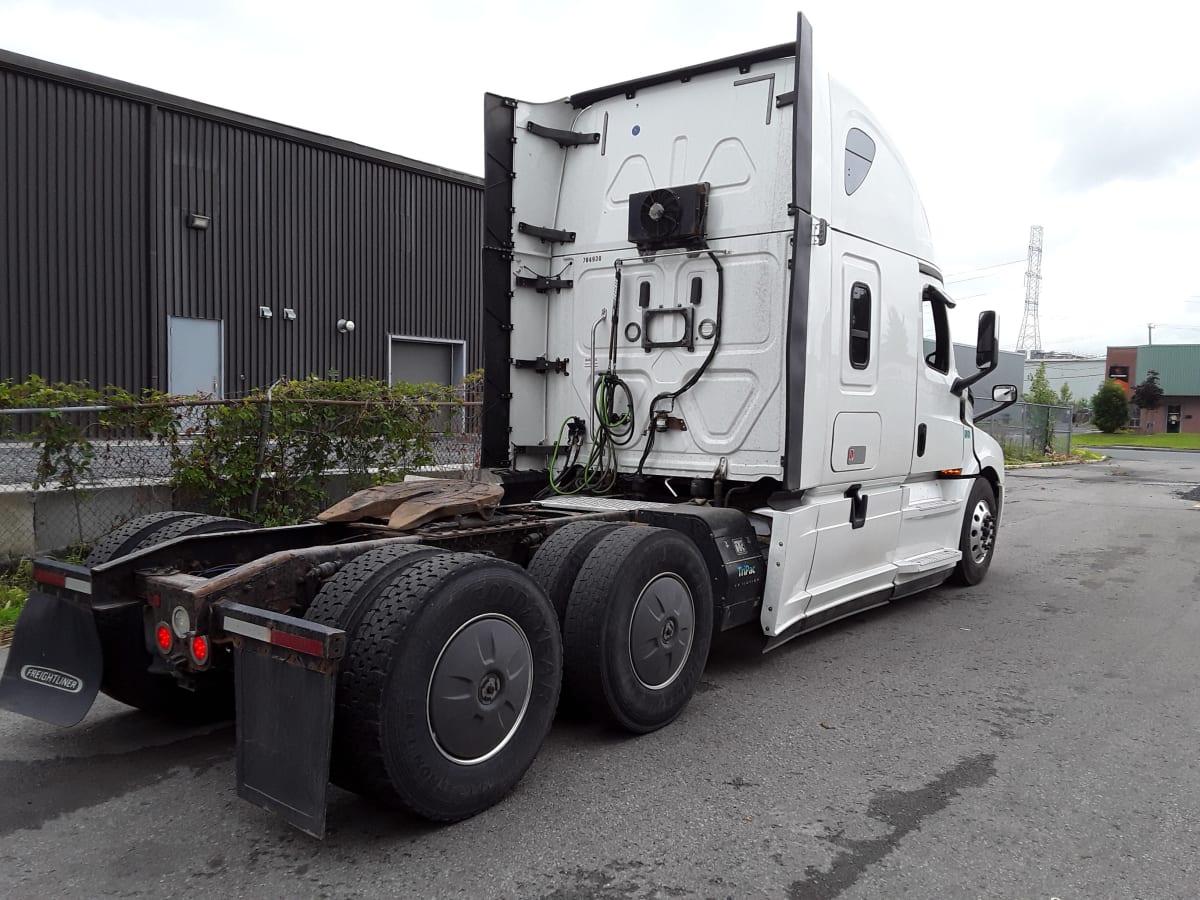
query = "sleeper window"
{"x": 860, "y": 325}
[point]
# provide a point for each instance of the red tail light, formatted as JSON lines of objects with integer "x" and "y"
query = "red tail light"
{"x": 200, "y": 649}
{"x": 162, "y": 634}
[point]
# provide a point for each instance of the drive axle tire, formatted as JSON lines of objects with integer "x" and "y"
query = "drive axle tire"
{"x": 126, "y": 675}
{"x": 452, "y": 685}
{"x": 557, "y": 562}
{"x": 977, "y": 540}
{"x": 342, "y": 603}
{"x": 638, "y": 627}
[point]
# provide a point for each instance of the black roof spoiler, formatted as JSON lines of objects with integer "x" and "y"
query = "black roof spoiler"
{"x": 742, "y": 62}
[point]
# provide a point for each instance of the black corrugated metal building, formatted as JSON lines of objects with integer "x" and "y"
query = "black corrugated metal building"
{"x": 151, "y": 241}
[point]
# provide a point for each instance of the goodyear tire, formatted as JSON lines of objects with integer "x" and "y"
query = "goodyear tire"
{"x": 452, "y": 685}
{"x": 342, "y": 603}
{"x": 977, "y": 540}
{"x": 638, "y": 627}
{"x": 557, "y": 562}
{"x": 126, "y": 675}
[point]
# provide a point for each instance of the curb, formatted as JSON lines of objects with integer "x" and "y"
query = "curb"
{"x": 1054, "y": 463}
{"x": 1143, "y": 447}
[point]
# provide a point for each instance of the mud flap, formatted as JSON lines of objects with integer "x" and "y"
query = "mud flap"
{"x": 54, "y": 665}
{"x": 286, "y": 672}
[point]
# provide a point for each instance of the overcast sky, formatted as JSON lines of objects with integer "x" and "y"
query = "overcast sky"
{"x": 1080, "y": 117}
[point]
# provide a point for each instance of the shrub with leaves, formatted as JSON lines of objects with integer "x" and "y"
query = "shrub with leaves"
{"x": 267, "y": 456}
{"x": 270, "y": 458}
{"x": 1110, "y": 407}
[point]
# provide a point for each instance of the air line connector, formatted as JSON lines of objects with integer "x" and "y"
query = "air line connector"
{"x": 576, "y": 430}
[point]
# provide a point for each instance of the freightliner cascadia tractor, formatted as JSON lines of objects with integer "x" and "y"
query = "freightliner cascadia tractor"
{"x": 719, "y": 393}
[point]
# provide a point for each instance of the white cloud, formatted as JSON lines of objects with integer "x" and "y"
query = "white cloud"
{"x": 1076, "y": 116}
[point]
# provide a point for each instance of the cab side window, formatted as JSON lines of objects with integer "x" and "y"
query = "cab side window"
{"x": 936, "y": 334}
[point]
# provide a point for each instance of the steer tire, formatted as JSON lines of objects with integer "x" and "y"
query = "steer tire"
{"x": 126, "y": 675}
{"x": 977, "y": 540}
{"x": 452, "y": 685}
{"x": 557, "y": 562}
{"x": 342, "y": 603}
{"x": 636, "y": 581}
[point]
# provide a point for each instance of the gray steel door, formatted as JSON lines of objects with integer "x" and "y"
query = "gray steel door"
{"x": 194, "y": 356}
{"x": 419, "y": 362}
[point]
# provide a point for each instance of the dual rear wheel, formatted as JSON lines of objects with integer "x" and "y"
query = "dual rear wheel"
{"x": 450, "y": 680}
{"x": 637, "y": 615}
{"x": 454, "y": 661}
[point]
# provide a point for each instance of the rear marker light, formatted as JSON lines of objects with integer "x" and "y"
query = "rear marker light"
{"x": 162, "y": 634}
{"x": 200, "y": 649}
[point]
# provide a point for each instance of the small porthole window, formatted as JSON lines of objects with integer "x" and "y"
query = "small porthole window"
{"x": 860, "y": 153}
{"x": 860, "y": 325}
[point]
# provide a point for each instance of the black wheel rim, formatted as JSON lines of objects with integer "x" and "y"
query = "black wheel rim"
{"x": 660, "y": 631}
{"x": 480, "y": 689}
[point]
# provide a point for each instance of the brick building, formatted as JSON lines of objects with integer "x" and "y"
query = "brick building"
{"x": 1178, "y": 368}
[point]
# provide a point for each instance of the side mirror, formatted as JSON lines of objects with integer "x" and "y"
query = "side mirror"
{"x": 987, "y": 350}
{"x": 1005, "y": 395}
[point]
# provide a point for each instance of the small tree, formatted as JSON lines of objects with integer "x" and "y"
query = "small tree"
{"x": 1110, "y": 407}
{"x": 1064, "y": 395}
{"x": 1040, "y": 417}
{"x": 1148, "y": 394}
{"x": 1040, "y": 390}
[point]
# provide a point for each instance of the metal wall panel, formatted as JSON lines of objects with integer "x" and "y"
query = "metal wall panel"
{"x": 1177, "y": 365}
{"x": 96, "y": 190}
{"x": 328, "y": 236}
{"x": 73, "y": 230}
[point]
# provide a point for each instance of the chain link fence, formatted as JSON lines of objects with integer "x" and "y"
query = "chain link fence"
{"x": 1032, "y": 430}
{"x": 69, "y": 475}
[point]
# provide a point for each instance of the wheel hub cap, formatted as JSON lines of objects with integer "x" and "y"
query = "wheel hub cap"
{"x": 480, "y": 689}
{"x": 660, "y": 631}
{"x": 983, "y": 531}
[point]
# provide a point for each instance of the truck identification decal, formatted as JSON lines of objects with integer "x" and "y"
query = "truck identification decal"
{"x": 52, "y": 678}
{"x": 857, "y": 455}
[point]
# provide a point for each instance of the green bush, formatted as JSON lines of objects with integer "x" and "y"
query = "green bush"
{"x": 271, "y": 461}
{"x": 1110, "y": 407}
{"x": 265, "y": 458}
{"x": 14, "y": 588}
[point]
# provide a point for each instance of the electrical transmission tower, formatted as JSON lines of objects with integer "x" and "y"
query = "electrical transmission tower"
{"x": 1031, "y": 330}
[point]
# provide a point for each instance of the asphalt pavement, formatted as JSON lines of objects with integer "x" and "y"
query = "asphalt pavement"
{"x": 1032, "y": 737}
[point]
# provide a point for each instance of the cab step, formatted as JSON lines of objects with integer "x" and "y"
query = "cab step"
{"x": 927, "y": 562}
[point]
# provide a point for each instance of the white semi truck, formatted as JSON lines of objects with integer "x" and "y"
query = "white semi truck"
{"x": 710, "y": 402}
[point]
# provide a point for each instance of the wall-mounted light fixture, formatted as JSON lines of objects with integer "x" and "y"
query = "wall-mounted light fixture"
{"x": 289, "y": 314}
{"x": 198, "y": 221}
{"x": 265, "y": 312}
{"x": 345, "y": 326}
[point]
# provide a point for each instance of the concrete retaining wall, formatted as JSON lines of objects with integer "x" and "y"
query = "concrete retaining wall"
{"x": 49, "y": 521}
